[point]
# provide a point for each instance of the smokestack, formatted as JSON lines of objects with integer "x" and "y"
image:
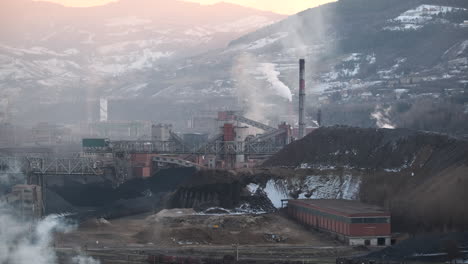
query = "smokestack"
{"x": 301, "y": 98}
{"x": 103, "y": 110}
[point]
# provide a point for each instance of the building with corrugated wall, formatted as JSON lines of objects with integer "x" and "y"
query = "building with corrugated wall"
{"x": 352, "y": 222}
{"x": 27, "y": 199}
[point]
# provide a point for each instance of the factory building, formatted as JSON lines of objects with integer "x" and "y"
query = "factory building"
{"x": 27, "y": 199}
{"x": 161, "y": 132}
{"x": 352, "y": 222}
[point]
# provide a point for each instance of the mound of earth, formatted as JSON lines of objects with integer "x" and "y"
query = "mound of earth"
{"x": 183, "y": 227}
{"x": 209, "y": 189}
{"x": 369, "y": 148}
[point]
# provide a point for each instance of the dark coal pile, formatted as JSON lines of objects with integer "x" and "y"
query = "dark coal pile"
{"x": 132, "y": 197}
{"x": 371, "y": 148}
{"x": 226, "y": 195}
{"x": 432, "y": 247}
{"x": 221, "y": 190}
{"x": 256, "y": 203}
{"x": 55, "y": 204}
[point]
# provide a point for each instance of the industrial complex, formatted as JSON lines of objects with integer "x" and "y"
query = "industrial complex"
{"x": 116, "y": 153}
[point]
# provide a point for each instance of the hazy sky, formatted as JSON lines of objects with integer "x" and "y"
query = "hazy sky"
{"x": 278, "y": 6}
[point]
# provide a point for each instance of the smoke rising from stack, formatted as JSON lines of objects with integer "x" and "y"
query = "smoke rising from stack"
{"x": 275, "y": 84}
{"x": 256, "y": 84}
{"x": 23, "y": 241}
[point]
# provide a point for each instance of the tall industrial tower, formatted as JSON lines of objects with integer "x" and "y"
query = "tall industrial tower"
{"x": 302, "y": 95}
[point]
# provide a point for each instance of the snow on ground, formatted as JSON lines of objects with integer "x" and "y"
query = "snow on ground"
{"x": 314, "y": 187}
{"x": 404, "y": 27}
{"x": 406, "y": 165}
{"x": 349, "y": 67}
{"x": 424, "y": 13}
{"x": 252, "y": 188}
{"x": 390, "y": 73}
{"x": 35, "y": 51}
{"x": 118, "y": 65}
{"x": 276, "y": 193}
{"x": 122, "y": 46}
{"x": 330, "y": 187}
{"x": 463, "y": 47}
{"x": 414, "y": 19}
{"x": 353, "y": 57}
{"x": 266, "y": 41}
{"x": 400, "y": 92}
{"x": 243, "y": 209}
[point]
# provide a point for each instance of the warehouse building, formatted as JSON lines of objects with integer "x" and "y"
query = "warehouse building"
{"x": 352, "y": 222}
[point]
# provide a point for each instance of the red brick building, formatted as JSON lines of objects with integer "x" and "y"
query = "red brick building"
{"x": 350, "y": 221}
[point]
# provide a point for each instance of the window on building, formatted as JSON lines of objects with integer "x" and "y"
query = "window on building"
{"x": 381, "y": 241}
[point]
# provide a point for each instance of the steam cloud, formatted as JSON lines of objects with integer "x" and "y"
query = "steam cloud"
{"x": 25, "y": 241}
{"x": 276, "y": 85}
{"x": 252, "y": 98}
{"x": 382, "y": 117}
{"x": 20, "y": 245}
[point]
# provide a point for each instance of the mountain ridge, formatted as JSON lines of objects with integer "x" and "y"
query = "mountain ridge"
{"x": 372, "y": 58}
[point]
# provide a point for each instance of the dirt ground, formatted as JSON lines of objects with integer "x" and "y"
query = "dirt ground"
{"x": 183, "y": 227}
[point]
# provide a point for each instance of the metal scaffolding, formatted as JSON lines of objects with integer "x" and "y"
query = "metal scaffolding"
{"x": 50, "y": 166}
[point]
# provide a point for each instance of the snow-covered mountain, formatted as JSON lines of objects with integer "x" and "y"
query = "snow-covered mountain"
{"x": 50, "y": 53}
{"x": 366, "y": 59}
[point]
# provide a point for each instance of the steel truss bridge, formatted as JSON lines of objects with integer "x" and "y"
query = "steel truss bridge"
{"x": 50, "y": 166}
{"x": 213, "y": 147}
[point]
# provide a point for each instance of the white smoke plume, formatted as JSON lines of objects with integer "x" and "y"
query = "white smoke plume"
{"x": 268, "y": 69}
{"x": 250, "y": 88}
{"x": 305, "y": 35}
{"x": 84, "y": 260}
{"x": 382, "y": 117}
{"x": 25, "y": 241}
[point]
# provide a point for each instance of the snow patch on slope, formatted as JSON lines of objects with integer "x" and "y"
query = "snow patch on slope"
{"x": 138, "y": 61}
{"x": 414, "y": 19}
{"x": 344, "y": 186}
{"x": 135, "y": 44}
{"x": 261, "y": 43}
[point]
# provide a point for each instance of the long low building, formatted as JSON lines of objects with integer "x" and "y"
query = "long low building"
{"x": 353, "y": 222}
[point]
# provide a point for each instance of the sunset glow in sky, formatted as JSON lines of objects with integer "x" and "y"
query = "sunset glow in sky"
{"x": 278, "y": 6}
